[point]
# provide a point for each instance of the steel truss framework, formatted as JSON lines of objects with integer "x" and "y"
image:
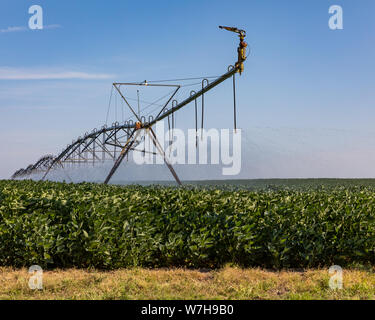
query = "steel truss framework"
{"x": 115, "y": 142}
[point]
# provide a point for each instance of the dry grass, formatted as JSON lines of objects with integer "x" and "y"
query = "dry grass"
{"x": 226, "y": 283}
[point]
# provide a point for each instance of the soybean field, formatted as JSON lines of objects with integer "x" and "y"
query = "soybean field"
{"x": 267, "y": 223}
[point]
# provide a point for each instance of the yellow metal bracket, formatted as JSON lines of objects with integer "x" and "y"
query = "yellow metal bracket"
{"x": 241, "y": 48}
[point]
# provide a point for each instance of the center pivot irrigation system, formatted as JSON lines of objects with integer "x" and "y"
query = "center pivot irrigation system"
{"x": 114, "y": 142}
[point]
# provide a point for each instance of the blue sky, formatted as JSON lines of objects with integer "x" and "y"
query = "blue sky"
{"x": 300, "y": 74}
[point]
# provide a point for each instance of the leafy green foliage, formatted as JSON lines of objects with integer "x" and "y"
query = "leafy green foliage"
{"x": 92, "y": 225}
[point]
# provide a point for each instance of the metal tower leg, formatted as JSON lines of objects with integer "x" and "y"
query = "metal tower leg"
{"x": 162, "y": 153}
{"x": 123, "y": 153}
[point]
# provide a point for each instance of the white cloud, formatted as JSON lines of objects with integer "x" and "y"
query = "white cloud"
{"x": 52, "y": 26}
{"x": 18, "y": 29}
{"x": 7, "y": 73}
{"x": 13, "y": 29}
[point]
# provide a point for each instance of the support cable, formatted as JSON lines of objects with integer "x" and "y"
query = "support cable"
{"x": 203, "y": 86}
{"x": 185, "y": 79}
{"x": 109, "y": 105}
{"x": 196, "y": 118}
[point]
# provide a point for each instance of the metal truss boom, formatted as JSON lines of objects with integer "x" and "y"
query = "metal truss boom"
{"x": 118, "y": 140}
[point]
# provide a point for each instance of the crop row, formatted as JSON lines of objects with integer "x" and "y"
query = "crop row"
{"x": 92, "y": 225}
